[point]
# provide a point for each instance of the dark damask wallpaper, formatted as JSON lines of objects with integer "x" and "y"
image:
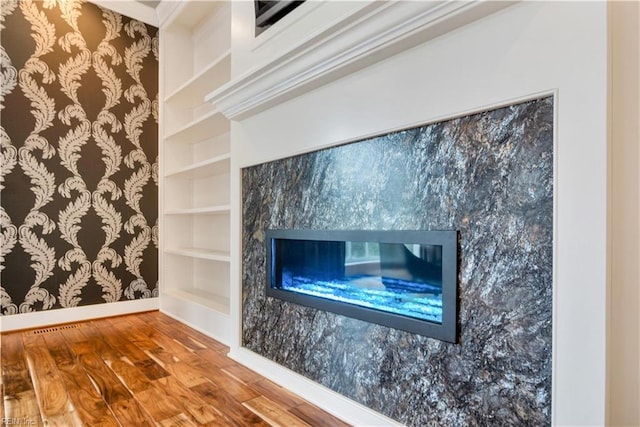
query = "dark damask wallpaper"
{"x": 79, "y": 131}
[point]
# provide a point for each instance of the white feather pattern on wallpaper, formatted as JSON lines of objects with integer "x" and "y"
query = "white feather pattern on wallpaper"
{"x": 6, "y": 8}
{"x": 8, "y": 159}
{"x": 111, "y": 220}
{"x": 71, "y": 289}
{"x": 140, "y": 113}
{"x": 42, "y": 180}
{"x": 8, "y": 239}
{"x": 9, "y": 76}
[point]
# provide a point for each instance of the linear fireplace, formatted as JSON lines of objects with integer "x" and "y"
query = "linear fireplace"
{"x": 401, "y": 279}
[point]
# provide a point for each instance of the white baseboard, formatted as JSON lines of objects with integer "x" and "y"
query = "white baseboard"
{"x": 200, "y": 317}
{"x": 75, "y": 314}
{"x": 336, "y": 404}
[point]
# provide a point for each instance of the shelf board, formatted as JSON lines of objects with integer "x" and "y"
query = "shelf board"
{"x": 200, "y": 254}
{"x": 216, "y": 302}
{"x": 209, "y": 125}
{"x": 191, "y": 93}
{"x": 207, "y": 210}
{"x": 209, "y": 167}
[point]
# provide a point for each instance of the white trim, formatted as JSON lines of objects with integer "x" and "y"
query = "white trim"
{"x": 373, "y": 33}
{"x": 555, "y": 316}
{"x": 132, "y": 9}
{"x": 165, "y": 9}
{"x": 75, "y": 314}
{"x": 194, "y": 326}
{"x": 336, "y": 404}
{"x": 266, "y": 38}
{"x": 205, "y": 319}
{"x": 476, "y": 109}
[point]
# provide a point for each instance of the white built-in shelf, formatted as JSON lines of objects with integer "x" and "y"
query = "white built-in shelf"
{"x": 191, "y": 93}
{"x": 208, "y": 210}
{"x": 200, "y": 254}
{"x": 209, "y": 167}
{"x": 195, "y": 153}
{"x": 199, "y": 296}
{"x": 209, "y": 125}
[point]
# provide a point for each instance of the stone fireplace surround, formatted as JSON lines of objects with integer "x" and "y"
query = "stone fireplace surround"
{"x": 525, "y": 51}
{"x": 489, "y": 176}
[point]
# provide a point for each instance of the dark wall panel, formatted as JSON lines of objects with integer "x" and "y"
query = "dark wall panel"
{"x": 79, "y": 156}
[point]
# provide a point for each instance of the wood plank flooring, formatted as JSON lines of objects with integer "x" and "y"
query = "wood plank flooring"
{"x": 144, "y": 369}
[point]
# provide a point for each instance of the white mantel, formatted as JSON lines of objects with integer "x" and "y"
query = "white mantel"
{"x": 360, "y": 34}
{"x": 431, "y": 61}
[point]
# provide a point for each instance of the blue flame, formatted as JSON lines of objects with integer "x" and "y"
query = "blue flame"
{"x": 364, "y": 291}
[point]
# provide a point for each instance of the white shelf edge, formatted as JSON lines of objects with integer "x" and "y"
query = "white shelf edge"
{"x": 207, "y": 210}
{"x": 194, "y": 80}
{"x": 193, "y": 168}
{"x": 194, "y": 124}
{"x": 213, "y": 301}
{"x": 200, "y": 253}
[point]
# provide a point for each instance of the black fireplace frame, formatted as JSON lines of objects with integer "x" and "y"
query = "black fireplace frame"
{"x": 448, "y": 239}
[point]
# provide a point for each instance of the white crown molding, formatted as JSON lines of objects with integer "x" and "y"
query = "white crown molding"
{"x": 369, "y": 35}
{"x": 165, "y": 9}
{"x": 132, "y": 9}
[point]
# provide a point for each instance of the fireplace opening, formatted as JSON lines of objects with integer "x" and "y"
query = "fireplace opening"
{"x": 401, "y": 279}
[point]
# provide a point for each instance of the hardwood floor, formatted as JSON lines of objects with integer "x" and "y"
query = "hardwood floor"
{"x": 138, "y": 370}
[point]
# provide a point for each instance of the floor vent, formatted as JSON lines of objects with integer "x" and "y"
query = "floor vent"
{"x": 55, "y": 329}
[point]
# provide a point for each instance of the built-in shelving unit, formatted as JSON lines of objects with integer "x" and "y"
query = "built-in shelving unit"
{"x": 195, "y": 165}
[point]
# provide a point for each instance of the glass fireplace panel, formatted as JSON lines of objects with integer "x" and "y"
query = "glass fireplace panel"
{"x": 400, "y": 279}
{"x": 392, "y": 277}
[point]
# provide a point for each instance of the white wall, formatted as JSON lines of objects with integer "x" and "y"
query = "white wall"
{"x": 523, "y": 51}
{"x": 296, "y": 28}
{"x": 624, "y": 322}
